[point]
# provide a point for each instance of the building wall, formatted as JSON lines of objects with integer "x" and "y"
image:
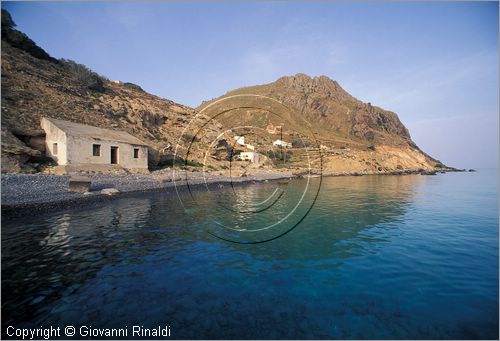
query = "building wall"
{"x": 240, "y": 140}
{"x": 76, "y": 150}
{"x": 55, "y": 135}
{"x": 80, "y": 151}
{"x": 282, "y": 143}
{"x": 250, "y": 156}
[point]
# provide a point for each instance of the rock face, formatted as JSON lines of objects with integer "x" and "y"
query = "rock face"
{"x": 322, "y": 100}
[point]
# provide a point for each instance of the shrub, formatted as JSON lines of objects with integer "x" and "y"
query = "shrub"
{"x": 7, "y": 21}
{"x": 189, "y": 137}
{"x": 281, "y": 156}
{"x": 20, "y": 40}
{"x": 193, "y": 163}
{"x": 133, "y": 86}
{"x": 178, "y": 161}
{"x": 84, "y": 75}
{"x": 299, "y": 143}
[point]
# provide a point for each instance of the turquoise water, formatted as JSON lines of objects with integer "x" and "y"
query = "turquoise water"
{"x": 376, "y": 257}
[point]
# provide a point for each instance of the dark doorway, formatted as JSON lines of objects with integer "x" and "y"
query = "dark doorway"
{"x": 114, "y": 155}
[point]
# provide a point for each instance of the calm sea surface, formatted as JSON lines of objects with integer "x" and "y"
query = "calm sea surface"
{"x": 376, "y": 257}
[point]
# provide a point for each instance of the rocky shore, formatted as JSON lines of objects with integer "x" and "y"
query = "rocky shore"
{"x": 40, "y": 193}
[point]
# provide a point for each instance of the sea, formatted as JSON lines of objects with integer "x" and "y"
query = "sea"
{"x": 353, "y": 257}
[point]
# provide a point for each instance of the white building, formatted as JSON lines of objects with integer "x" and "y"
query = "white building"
{"x": 81, "y": 147}
{"x": 240, "y": 140}
{"x": 282, "y": 144}
{"x": 249, "y": 146}
{"x": 250, "y": 156}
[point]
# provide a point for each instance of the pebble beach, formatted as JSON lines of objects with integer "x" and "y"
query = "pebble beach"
{"x": 41, "y": 191}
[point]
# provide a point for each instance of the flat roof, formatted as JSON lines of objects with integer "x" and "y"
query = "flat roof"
{"x": 83, "y": 130}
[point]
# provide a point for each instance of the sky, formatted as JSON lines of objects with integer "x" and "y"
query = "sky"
{"x": 433, "y": 63}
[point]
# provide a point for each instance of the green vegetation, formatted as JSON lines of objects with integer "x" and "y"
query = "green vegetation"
{"x": 133, "y": 86}
{"x": 177, "y": 162}
{"x": 279, "y": 156}
{"x": 84, "y": 75}
{"x": 193, "y": 163}
{"x": 297, "y": 142}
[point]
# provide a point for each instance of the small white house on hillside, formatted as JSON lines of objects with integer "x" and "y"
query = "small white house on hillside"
{"x": 282, "y": 144}
{"x": 240, "y": 140}
{"x": 250, "y": 156}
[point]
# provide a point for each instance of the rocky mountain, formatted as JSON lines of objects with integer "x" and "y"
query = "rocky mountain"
{"x": 331, "y": 111}
{"x": 353, "y": 136}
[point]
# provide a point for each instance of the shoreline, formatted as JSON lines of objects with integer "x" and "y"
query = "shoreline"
{"x": 54, "y": 196}
{"x": 44, "y": 193}
{"x": 35, "y": 209}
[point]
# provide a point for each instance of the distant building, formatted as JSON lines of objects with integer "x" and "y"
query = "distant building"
{"x": 250, "y": 156}
{"x": 240, "y": 140}
{"x": 82, "y": 147}
{"x": 282, "y": 144}
{"x": 116, "y": 82}
{"x": 249, "y": 146}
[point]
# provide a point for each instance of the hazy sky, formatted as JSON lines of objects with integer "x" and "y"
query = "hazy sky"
{"x": 434, "y": 64}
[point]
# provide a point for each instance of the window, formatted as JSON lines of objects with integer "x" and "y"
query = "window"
{"x": 136, "y": 153}
{"x": 96, "y": 150}
{"x": 54, "y": 148}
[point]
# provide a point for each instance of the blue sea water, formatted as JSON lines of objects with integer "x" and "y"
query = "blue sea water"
{"x": 372, "y": 257}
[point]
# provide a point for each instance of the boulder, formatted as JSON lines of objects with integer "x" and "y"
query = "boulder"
{"x": 80, "y": 184}
{"x": 109, "y": 191}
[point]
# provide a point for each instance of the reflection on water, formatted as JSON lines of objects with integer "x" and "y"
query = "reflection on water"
{"x": 377, "y": 257}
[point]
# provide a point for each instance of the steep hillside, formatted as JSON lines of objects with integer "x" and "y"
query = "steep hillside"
{"x": 353, "y": 136}
{"x": 35, "y": 85}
